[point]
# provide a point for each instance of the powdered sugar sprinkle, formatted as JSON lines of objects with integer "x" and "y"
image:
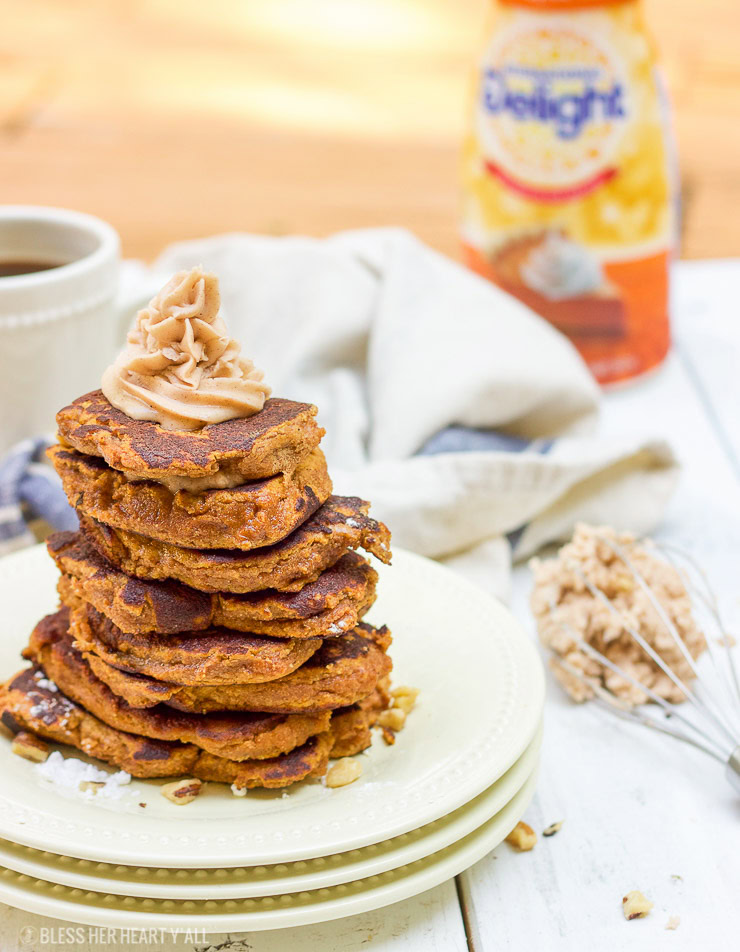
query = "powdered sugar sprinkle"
{"x": 45, "y": 682}
{"x": 67, "y": 773}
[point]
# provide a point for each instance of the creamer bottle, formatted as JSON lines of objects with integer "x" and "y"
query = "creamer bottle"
{"x": 568, "y": 185}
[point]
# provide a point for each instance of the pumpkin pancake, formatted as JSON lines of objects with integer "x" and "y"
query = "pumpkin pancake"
{"x": 350, "y": 726}
{"x": 309, "y": 760}
{"x": 341, "y": 523}
{"x": 245, "y": 517}
{"x": 331, "y": 605}
{"x": 216, "y": 656}
{"x": 343, "y": 671}
{"x": 237, "y": 736}
{"x": 26, "y": 705}
{"x": 272, "y": 441}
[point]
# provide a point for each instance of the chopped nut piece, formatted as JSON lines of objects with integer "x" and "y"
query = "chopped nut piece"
{"x": 394, "y": 718}
{"x": 404, "y": 698}
{"x": 624, "y": 583}
{"x": 635, "y": 905}
{"x": 181, "y": 791}
{"x": 673, "y": 923}
{"x": 552, "y": 829}
{"x": 30, "y": 747}
{"x": 344, "y": 771}
{"x": 89, "y": 785}
{"x": 389, "y": 736}
{"x": 142, "y": 804}
{"x": 403, "y": 690}
{"x": 522, "y": 837}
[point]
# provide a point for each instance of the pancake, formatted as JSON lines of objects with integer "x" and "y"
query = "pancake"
{"x": 272, "y": 441}
{"x": 25, "y": 705}
{"x": 341, "y": 523}
{"x": 343, "y": 671}
{"x": 237, "y": 736}
{"x": 245, "y": 517}
{"x": 309, "y": 760}
{"x": 216, "y": 656}
{"x": 350, "y": 726}
{"x": 331, "y": 605}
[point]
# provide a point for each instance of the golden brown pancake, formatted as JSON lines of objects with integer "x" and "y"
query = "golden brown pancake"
{"x": 25, "y": 705}
{"x": 236, "y": 735}
{"x": 309, "y": 760}
{"x": 343, "y": 671}
{"x": 350, "y": 726}
{"x": 216, "y": 656}
{"x": 246, "y": 517}
{"x": 329, "y": 606}
{"x": 341, "y": 523}
{"x": 272, "y": 441}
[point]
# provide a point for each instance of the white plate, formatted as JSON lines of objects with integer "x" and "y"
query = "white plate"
{"x": 245, "y": 883}
{"x": 481, "y": 699}
{"x": 269, "y": 912}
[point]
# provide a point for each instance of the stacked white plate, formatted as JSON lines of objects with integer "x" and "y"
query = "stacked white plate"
{"x": 452, "y": 787}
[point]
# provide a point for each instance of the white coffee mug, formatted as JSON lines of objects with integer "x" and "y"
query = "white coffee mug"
{"x": 59, "y": 328}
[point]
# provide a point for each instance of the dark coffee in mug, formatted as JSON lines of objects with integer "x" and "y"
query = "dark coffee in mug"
{"x": 9, "y": 269}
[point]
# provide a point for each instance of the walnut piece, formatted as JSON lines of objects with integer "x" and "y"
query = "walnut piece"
{"x": 389, "y": 736}
{"x": 344, "y": 771}
{"x": 181, "y": 791}
{"x": 522, "y": 837}
{"x": 394, "y": 718}
{"x": 553, "y": 828}
{"x": 404, "y": 698}
{"x": 30, "y": 747}
{"x": 635, "y": 905}
{"x": 91, "y": 786}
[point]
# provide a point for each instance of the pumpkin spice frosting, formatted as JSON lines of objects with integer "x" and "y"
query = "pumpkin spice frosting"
{"x": 181, "y": 369}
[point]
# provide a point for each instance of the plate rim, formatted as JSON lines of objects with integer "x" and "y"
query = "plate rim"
{"x": 469, "y": 817}
{"x": 434, "y": 869}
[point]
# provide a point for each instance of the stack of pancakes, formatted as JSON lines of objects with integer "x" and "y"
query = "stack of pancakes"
{"x": 211, "y": 602}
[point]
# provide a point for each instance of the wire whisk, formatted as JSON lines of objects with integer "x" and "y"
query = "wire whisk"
{"x": 704, "y": 713}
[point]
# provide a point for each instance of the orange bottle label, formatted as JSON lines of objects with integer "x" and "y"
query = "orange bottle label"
{"x": 567, "y": 177}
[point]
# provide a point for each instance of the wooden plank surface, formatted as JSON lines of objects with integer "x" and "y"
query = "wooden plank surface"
{"x": 709, "y": 344}
{"x": 176, "y": 118}
{"x": 639, "y": 810}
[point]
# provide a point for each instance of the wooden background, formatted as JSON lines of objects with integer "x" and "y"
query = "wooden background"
{"x": 179, "y": 118}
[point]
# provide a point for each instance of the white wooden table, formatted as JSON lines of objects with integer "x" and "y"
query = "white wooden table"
{"x": 639, "y": 811}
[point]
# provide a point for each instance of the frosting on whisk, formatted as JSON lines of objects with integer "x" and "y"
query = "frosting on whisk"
{"x": 181, "y": 368}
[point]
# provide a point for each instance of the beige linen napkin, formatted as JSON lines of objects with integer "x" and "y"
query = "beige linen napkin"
{"x": 462, "y": 416}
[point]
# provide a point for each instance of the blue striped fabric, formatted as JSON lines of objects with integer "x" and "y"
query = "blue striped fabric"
{"x": 30, "y": 489}
{"x": 466, "y": 439}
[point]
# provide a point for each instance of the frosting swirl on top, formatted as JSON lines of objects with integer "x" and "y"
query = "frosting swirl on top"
{"x": 180, "y": 368}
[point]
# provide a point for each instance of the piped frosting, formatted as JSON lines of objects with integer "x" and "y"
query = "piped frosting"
{"x": 180, "y": 368}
